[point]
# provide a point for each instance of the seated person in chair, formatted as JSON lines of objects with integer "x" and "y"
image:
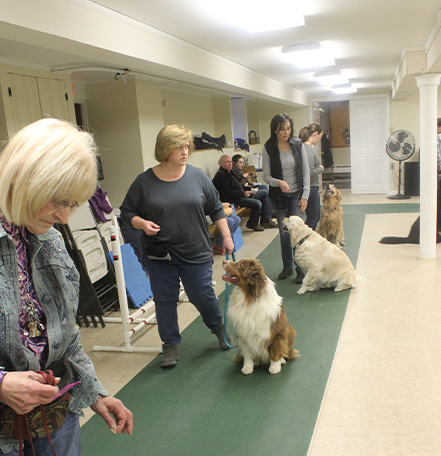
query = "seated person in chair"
{"x": 244, "y": 179}
{"x": 231, "y": 191}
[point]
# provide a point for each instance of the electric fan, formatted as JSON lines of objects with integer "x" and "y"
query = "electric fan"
{"x": 400, "y": 146}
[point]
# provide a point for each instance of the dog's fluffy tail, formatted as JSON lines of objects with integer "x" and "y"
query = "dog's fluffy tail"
{"x": 396, "y": 240}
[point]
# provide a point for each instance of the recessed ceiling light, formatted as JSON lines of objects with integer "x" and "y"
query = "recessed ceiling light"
{"x": 309, "y": 55}
{"x": 328, "y": 78}
{"x": 343, "y": 88}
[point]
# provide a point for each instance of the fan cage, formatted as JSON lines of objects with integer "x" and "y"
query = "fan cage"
{"x": 400, "y": 145}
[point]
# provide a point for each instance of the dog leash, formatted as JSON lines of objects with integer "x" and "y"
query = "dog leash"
{"x": 226, "y": 305}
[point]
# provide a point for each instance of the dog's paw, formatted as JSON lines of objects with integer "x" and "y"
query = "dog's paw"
{"x": 301, "y": 291}
{"x": 283, "y": 360}
{"x": 247, "y": 370}
{"x": 275, "y": 367}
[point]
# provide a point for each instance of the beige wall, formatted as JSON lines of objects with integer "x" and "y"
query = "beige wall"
{"x": 150, "y": 118}
{"x": 113, "y": 116}
{"x": 194, "y": 112}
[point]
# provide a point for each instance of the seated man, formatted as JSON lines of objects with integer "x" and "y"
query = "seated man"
{"x": 232, "y": 192}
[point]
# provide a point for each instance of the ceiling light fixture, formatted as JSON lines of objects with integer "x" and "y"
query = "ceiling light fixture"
{"x": 343, "y": 88}
{"x": 259, "y": 15}
{"x": 329, "y": 78}
{"x": 310, "y": 55}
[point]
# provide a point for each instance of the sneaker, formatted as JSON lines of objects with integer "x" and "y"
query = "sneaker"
{"x": 269, "y": 224}
{"x": 218, "y": 251}
{"x": 255, "y": 227}
{"x": 170, "y": 355}
{"x": 285, "y": 274}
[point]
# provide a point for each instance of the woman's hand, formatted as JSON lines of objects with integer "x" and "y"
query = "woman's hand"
{"x": 228, "y": 244}
{"x": 22, "y": 394}
{"x": 303, "y": 205}
{"x": 283, "y": 186}
{"x": 150, "y": 228}
{"x": 247, "y": 193}
{"x": 122, "y": 419}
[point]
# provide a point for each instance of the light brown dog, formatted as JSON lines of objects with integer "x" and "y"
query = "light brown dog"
{"x": 256, "y": 312}
{"x": 331, "y": 216}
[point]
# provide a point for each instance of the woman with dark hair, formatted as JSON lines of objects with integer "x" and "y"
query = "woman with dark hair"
{"x": 311, "y": 136}
{"x": 286, "y": 171}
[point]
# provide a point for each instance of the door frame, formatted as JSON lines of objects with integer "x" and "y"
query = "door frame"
{"x": 349, "y": 98}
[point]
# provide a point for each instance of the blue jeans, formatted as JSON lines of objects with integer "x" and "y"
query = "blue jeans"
{"x": 260, "y": 206}
{"x": 313, "y": 208}
{"x": 66, "y": 440}
{"x": 233, "y": 223}
{"x": 291, "y": 208}
{"x": 197, "y": 280}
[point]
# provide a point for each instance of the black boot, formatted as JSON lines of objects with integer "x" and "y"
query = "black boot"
{"x": 300, "y": 275}
{"x": 220, "y": 336}
{"x": 285, "y": 274}
{"x": 170, "y": 355}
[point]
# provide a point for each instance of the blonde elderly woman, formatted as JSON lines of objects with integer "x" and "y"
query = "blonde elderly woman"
{"x": 47, "y": 169}
{"x": 169, "y": 203}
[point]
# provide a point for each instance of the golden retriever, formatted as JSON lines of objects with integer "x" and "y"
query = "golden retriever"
{"x": 331, "y": 216}
{"x": 256, "y": 313}
{"x": 324, "y": 264}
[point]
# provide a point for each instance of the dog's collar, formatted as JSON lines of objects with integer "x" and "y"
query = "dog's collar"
{"x": 331, "y": 209}
{"x": 301, "y": 241}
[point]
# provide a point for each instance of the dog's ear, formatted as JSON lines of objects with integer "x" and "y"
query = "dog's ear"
{"x": 338, "y": 194}
{"x": 255, "y": 277}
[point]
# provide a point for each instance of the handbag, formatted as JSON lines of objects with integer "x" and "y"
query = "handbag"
{"x": 43, "y": 420}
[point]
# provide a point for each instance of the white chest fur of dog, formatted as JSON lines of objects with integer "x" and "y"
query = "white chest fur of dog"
{"x": 324, "y": 264}
{"x": 256, "y": 313}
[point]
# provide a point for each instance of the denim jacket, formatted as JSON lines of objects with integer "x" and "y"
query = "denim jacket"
{"x": 56, "y": 283}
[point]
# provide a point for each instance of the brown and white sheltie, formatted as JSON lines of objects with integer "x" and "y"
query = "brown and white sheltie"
{"x": 256, "y": 312}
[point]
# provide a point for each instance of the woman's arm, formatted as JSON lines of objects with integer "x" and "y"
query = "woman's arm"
{"x": 266, "y": 168}
{"x": 222, "y": 226}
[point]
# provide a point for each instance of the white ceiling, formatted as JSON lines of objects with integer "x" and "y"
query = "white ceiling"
{"x": 367, "y": 38}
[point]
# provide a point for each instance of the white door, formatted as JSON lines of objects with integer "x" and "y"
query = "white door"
{"x": 369, "y": 121}
{"x": 25, "y": 100}
{"x": 53, "y": 98}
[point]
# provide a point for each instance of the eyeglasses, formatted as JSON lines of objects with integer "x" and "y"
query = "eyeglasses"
{"x": 61, "y": 205}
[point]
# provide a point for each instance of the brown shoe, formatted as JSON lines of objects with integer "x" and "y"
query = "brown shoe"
{"x": 269, "y": 224}
{"x": 255, "y": 227}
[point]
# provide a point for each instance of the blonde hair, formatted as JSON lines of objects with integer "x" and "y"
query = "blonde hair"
{"x": 45, "y": 161}
{"x": 170, "y": 138}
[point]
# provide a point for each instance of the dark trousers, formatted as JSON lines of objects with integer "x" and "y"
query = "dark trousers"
{"x": 197, "y": 280}
{"x": 291, "y": 208}
{"x": 313, "y": 208}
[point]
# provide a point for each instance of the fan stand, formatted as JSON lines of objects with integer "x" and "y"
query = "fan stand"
{"x": 399, "y": 196}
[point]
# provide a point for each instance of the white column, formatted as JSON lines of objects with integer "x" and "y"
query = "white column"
{"x": 428, "y": 86}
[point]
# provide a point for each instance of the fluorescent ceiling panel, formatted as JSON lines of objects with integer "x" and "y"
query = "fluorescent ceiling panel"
{"x": 309, "y": 55}
{"x": 329, "y": 78}
{"x": 260, "y": 15}
{"x": 343, "y": 88}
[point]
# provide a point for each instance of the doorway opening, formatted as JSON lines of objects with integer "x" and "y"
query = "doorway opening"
{"x": 333, "y": 117}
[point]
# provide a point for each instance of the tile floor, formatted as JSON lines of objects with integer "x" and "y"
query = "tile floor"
{"x": 384, "y": 392}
